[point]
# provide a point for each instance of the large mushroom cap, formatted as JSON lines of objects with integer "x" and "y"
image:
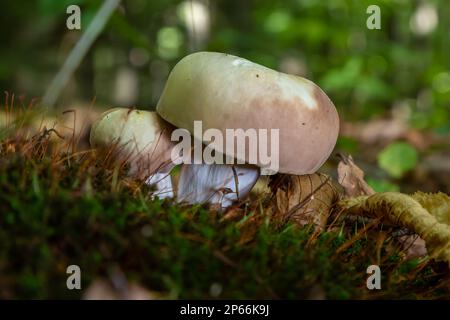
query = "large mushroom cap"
{"x": 141, "y": 137}
{"x": 228, "y": 92}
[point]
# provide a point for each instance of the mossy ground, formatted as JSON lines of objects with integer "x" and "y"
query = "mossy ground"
{"x": 59, "y": 207}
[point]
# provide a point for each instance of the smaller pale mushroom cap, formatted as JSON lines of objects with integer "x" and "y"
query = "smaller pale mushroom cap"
{"x": 140, "y": 137}
{"x": 228, "y": 92}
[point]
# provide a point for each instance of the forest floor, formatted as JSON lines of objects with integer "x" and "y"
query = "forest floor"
{"x": 60, "y": 206}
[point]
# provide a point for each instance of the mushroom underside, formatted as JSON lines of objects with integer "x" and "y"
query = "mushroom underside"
{"x": 217, "y": 184}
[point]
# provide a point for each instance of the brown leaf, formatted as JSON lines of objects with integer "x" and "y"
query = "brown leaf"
{"x": 351, "y": 178}
{"x": 303, "y": 199}
{"x": 385, "y": 131}
{"x": 375, "y": 131}
{"x": 405, "y": 211}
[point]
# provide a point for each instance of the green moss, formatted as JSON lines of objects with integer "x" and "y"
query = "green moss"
{"x": 49, "y": 219}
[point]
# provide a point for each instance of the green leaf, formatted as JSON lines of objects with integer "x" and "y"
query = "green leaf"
{"x": 345, "y": 77}
{"x": 398, "y": 158}
{"x": 278, "y": 21}
{"x": 382, "y": 185}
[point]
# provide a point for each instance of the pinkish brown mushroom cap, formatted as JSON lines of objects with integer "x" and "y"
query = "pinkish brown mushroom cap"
{"x": 228, "y": 92}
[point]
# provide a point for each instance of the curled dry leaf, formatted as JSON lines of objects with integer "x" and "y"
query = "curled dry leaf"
{"x": 406, "y": 211}
{"x": 306, "y": 199}
{"x": 351, "y": 178}
{"x": 438, "y": 204}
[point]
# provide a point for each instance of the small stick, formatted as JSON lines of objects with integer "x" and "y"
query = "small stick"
{"x": 78, "y": 52}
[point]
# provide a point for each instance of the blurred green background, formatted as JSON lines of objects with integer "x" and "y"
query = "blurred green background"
{"x": 367, "y": 73}
{"x": 400, "y": 73}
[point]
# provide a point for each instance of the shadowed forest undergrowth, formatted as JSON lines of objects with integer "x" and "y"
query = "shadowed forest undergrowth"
{"x": 61, "y": 207}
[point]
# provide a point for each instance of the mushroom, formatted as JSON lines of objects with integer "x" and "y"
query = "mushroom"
{"x": 231, "y": 94}
{"x": 140, "y": 138}
{"x": 216, "y": 184}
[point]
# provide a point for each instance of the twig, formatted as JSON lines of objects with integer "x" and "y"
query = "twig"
{"x": 78, "y": 52}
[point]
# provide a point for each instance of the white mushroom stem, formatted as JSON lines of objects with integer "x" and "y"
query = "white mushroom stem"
{"x": 216, "y": 184}
{"x": 163, "y": 184}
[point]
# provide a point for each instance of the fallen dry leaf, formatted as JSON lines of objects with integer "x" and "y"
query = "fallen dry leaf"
{"x": 303, "y": 199}
{"x": 384, "y": 131}
{"x": 405, "y": 211}
{"x": 351, "y": 178}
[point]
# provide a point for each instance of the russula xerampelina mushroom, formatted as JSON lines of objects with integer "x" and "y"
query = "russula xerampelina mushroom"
{"x": 140, "y": 138}
{"x": 227, "y": 92}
